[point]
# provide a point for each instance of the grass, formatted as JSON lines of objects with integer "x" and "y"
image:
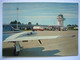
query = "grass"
{"x": 72, "y": 29}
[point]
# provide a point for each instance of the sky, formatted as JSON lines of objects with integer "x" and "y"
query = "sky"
{"x": 42, "y": 13}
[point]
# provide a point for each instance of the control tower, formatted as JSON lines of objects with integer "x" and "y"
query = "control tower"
{"x": 60, "y": 20}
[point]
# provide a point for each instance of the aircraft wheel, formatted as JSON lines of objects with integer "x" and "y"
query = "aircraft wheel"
{"x": 15, "y": 53}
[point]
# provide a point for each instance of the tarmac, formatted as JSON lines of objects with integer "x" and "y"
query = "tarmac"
{"x": 67, "y": 46}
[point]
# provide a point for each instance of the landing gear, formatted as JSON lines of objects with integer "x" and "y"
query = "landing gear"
{"x": 16, "y": 48}
{"x": 15, "y": 53}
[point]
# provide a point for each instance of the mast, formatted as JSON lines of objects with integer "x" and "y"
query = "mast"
{"x": 17, "y": 17}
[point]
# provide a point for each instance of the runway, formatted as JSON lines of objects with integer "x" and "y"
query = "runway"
{"x": 50, "y": 47}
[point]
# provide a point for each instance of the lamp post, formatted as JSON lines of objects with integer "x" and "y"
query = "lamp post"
{"x": 17, "y": 17}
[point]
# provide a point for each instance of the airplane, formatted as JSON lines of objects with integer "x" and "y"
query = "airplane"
{"x": 25, "y": 36}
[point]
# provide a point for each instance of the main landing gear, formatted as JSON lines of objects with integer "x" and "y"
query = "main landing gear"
{"x": 16, "y": 48}
{"x": 16, "y": 53}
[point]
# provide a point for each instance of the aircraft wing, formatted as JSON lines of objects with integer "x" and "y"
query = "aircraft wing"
{"x": 25, "y": 36}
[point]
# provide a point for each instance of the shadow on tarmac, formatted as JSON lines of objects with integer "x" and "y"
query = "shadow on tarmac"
{"x": 31, "y": 52}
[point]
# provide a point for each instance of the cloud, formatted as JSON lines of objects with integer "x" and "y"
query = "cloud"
{"x": 71, "y": 11}
{"x": 9, "y": 17}
{"x": 39, "y": 16}
{"x": 49, "y": 13}
{"x": 9, "y": 12}
{"x": 14, "y": 12}
{"x": 24, "y": 11}
{"x": 70, "y": 15}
